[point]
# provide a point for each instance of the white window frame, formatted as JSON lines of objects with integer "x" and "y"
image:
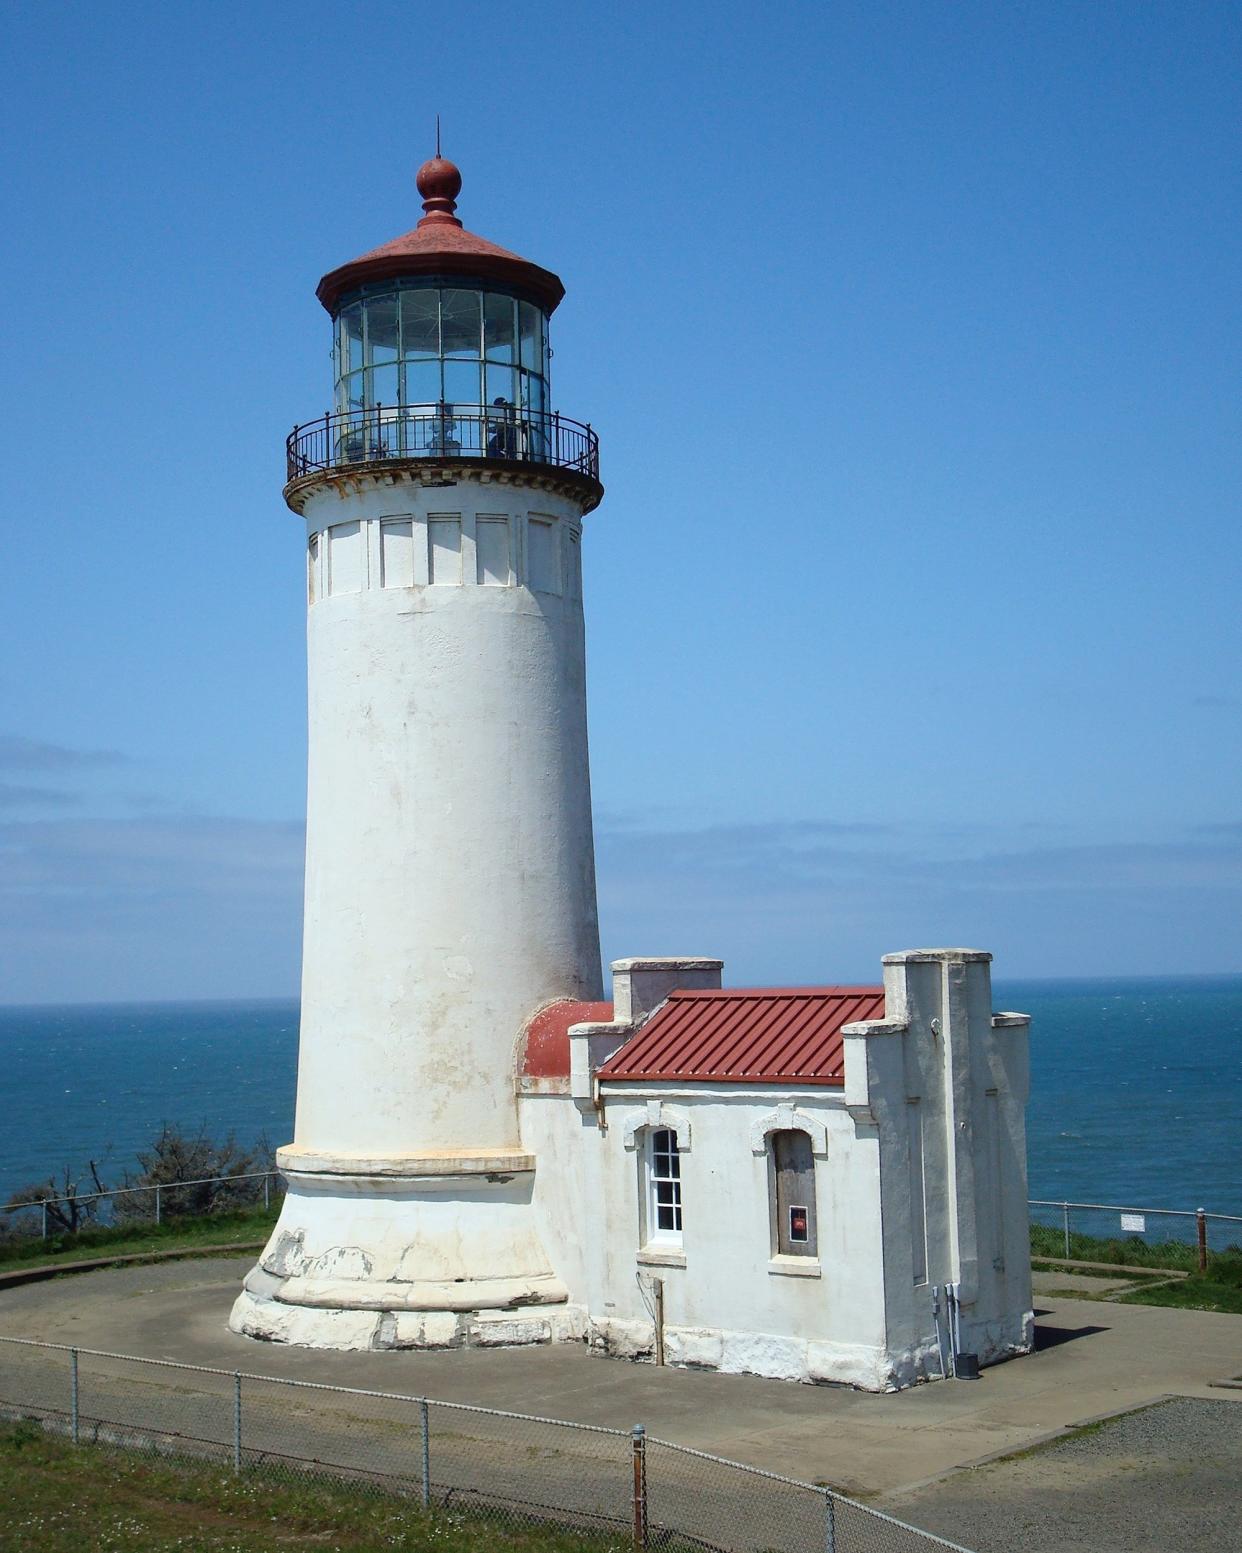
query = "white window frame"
{"x": 662, "y": 1187}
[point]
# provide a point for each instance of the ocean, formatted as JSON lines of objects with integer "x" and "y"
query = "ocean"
{"x": 1136, "y": 1086}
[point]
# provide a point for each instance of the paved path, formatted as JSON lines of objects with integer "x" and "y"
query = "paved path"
{"x": 1152, "y": 1481}
{"x": 1094, "y": 1359}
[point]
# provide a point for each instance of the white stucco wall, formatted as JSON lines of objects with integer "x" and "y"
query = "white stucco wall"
{"x": 450, "y": 891}
{"x": 861, "y": 1311}
{"x": 450, "y": 884}
{"x": 729, "y": 1301}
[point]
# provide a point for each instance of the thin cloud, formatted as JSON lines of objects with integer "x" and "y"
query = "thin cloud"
{"x": 149, "y": 908}
{"x": 13, "y": 796}
{"x": 21, "y": 754}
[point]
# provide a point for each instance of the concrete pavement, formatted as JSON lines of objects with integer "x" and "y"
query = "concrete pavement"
{"x": 1094, "y": 1358}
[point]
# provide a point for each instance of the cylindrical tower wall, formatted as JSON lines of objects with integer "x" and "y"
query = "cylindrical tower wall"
{"x": 450, "y": 884}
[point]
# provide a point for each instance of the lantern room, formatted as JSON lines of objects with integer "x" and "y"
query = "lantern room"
{"x": 440, "y": 351}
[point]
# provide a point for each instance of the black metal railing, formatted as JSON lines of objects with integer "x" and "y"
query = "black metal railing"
{"x": 387, "y": 432}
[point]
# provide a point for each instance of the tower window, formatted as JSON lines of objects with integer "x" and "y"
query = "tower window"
{"x": 491, "y": 539}
{"x": 543, "y": 568}
{"x": 345, "y": 558}
{"x": 793, "y": 1196}
{"x": 444, "y": 550}
{"x": 397, "y": 553}
{"x": 663, "y": 1194}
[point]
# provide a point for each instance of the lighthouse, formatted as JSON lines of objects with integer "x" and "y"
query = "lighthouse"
{"x": 450, "y": 882}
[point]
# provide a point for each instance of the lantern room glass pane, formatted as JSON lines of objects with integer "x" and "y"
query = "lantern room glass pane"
{"x": 420, "y": 323}
{"x": 461, "y": 323}
{"x": 382, "y": 330}
{"x": 382, "y": 385}
{"x": 530, "y": 324}
{"x": 461, "y": 382}
{"x": 498, "y": 327}
{"x": 351, "y": 322}
{"x": 422, "y": 382}
{"x": 499, "y": 384}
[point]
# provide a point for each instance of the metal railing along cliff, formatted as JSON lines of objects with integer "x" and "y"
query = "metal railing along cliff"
{"x": 440, "y": 1457}
{"x": 1100, "y": 1220}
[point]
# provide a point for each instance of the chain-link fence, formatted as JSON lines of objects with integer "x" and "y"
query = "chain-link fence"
{"x": 1189, "y": 1235}
{"x": 640, "y": 1493}
{"x": 197, "y": 1196}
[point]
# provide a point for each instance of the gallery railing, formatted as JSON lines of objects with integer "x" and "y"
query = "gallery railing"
{"x": 384, "y": 433}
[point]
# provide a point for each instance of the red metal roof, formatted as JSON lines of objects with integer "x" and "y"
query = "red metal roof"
{"x": 547, "y": 1036}
{"x": 439, "y": 244}
{"x": 758, "y": 1035}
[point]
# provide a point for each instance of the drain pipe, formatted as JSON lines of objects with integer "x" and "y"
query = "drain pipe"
{"x": 944, "y": 1373}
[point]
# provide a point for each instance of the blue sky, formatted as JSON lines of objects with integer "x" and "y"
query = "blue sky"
{"x": 912, "y": 335}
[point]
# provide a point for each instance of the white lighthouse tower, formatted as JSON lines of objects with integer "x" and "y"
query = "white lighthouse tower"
{"x": 450, "y": 882}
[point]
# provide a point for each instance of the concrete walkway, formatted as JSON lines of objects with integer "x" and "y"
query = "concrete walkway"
{"x": 1094, "y": 1358}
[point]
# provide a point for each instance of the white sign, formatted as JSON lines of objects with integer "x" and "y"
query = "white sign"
{"x": 1134, "y": 1221}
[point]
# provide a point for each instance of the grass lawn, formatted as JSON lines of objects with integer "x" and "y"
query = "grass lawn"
{"x": 200, "y": 1232}
{"x": 1219, "y": 1288}
{"x": 59, "y": 1498}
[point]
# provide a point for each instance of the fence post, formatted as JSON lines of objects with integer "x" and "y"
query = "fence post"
{"x": 1201, "y": 1225}
{"x": 639, "y": 1437}
{"x": 830, "y": 1522}
{"x": 237, "y": 1459}
{"x": 425, "y": 1417}
{"x": 267, "y": 1190}
{"x": 1065, "y": 1211}
{"x": 45, "y": 1220}
{"x": 157, "y": 1205}
{"x": 74, "y": 1427}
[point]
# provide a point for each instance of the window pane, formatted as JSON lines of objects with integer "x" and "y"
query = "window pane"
{"x": 461, "y": 323}
{"x": 498, "y": 327}
{"x": 420, "y": 323}
{"x": 381, "y": 321}
{"x": 382, "y": 385}
{"x": 422, "y": 382}
{"x": 353, "y": 389}
{"x": 531, "y": 324}
{"x": 351, "y": 321}
{"x": 499, "y": 384}
{"x": 461, "y": 382}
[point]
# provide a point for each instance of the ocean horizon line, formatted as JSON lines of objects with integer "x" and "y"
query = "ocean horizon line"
{"x": 1094, "y": 979}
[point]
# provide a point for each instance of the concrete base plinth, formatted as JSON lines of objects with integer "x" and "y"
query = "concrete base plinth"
{"x": 428, "y": 1251}
{"x": 272, "y": 1321}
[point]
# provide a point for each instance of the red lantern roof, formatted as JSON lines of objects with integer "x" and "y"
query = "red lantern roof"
{"x": 440, "y": 245}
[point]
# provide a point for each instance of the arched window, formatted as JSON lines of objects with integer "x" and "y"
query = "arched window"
{"x": 793, "y": 1194}
{"x": 662, "y": 1208}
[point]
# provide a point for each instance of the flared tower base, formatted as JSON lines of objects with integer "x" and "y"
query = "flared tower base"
{"x": 427, "y": 1251}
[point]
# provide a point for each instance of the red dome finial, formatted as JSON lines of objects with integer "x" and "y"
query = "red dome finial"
{"x": 439, "y": 183}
